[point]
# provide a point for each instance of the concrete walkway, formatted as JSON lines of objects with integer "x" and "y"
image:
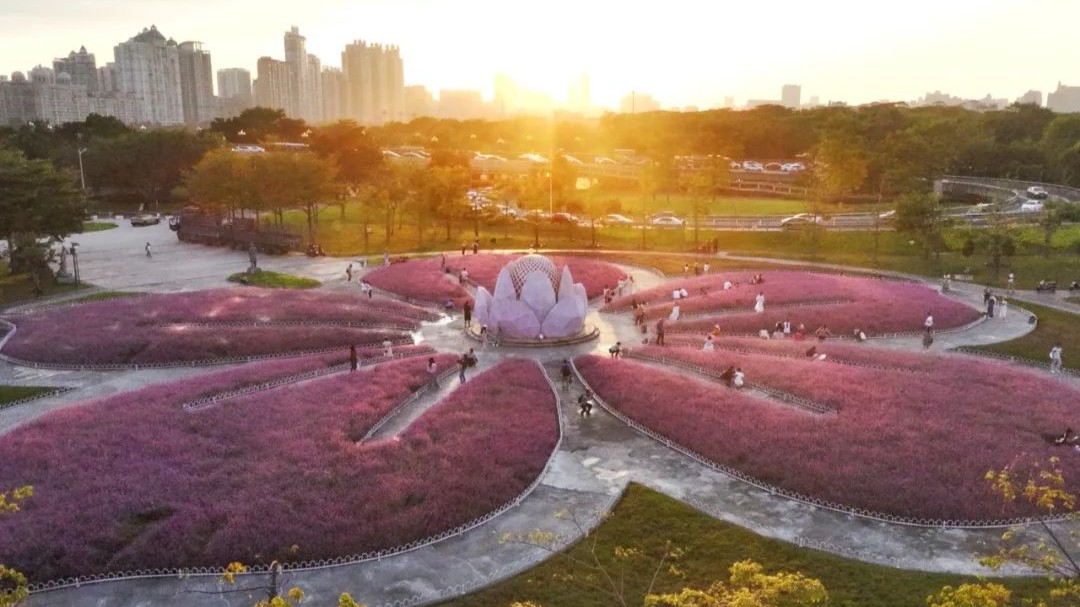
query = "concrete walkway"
{"x": 597, "y": 458}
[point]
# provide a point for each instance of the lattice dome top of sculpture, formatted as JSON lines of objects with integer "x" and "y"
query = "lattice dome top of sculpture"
{"x": 521, "y": 267}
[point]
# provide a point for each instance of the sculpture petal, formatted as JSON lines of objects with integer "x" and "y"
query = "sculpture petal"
{"x": 514, "y": 318}
{"x": 566, "y": 283}
{"x": 565, "y": 319}
{"x": 538, "y": 294}
{"x": 582, "y": 298}
{"x": 483, "y": 306}
{"x": 504, "y": 286}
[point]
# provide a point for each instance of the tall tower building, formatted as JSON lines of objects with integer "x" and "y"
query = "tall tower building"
{"x": 196, "y": 84}
{"x": 506, "y": 95}
{"x": 301, "y": 100}
{"x": 1032, "y": 97}
{"x": 791, "y": 96}
{"x": 148, "y": 68}
{"x": 234, "y": 82}
{"x": 272, "y": 84}
{"x": 81, "y": 66}
{"x": 375, "y": 83}
{"x": 315, "y": 90}
{"x": 580, "y": 97}
{"x": 333, "y": 94}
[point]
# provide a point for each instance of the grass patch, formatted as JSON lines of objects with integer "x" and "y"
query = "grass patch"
{"x": 647, "y": 520}
{"x": 10, "y": 394}
{"x": 101, "y": 296}
{"x": 19, "y": 287}
{"x": 97, "y": 226}
{"x": 274, "y": 280}
{"x": 1055, "y": 326}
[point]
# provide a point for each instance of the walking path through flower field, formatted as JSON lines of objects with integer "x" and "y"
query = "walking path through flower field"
{"x": 596, "y": 459}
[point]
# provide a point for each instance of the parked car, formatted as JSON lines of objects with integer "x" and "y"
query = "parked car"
{"x": 571, "y": 160}
{"x": 145, "y": 220}
{"x": 668, "y": 222}
{"x": 801, "y": 220}
{"x": 1031, "y": 206}
{"x": 604, "y": 160}
{"x": 887, "y": 216}
{"x": 752, "y": 165}
{"x": 774, "y": 166}
{"x": 615, "y": 219}
{"x": 564, "y": 218}
{"x": 1038, "y": 193}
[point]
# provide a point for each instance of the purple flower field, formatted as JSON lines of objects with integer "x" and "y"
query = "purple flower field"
{"x": 423, "y": 279}
{"x": 875, "y": 306}
{"x": 908, "y": 444}
{"x": 133, "y": 481}
{"x": 138, "y": 330}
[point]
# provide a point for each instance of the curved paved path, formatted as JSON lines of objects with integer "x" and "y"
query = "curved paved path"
{"x": 596, "y": 460}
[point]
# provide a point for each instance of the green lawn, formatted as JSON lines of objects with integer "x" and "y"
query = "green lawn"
{"x": 274, "y": 280}
{"x": 102, "y": 296}
{"x": 97, "y": 226}
{"x": 648, "y": 520}
{"x": 1054, "y": 326}
{"x": 10, "y": 394}
{"x": 18, "y": 287}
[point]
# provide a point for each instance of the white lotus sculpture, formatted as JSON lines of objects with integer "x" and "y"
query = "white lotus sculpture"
{"x": 533, "y": 301}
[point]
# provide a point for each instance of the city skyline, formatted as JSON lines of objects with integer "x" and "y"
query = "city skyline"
{"x": 967, "y": 49}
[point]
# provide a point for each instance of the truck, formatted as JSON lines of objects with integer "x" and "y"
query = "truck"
{"x": 200, "y": 227}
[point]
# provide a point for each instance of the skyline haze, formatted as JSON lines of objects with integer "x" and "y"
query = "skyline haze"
{"x": 683, "y": 55}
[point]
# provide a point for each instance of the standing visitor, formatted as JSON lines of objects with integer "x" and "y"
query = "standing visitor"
{"x": 386, "y": 258}
{"x": 463, "y": 247}
{"x": 740, "y": 378}
{"x": 705, "y": 268}
{"x": 388, "y": 348}
{"x": 823, "y": 332}
{"x": 709, "y": 346}
{"x": 475, "y": 246}
{"x": 674, "y": 316}
{"x": 467, "y": 311}
{"x": 348, "y": 273}
{"x": 759, "y": 303}
{"x": 566, "y": 374}
{"x": 443, "y": 258}
{"x": 686, "y": 269}
{"x": 1012, "y": 282}
{"x": 927, "y": 339}
{"x": 147, "y": 248}
{"x": 1055, "y": 358}
{"x": 365, "y": 287}
{"x": 786, "y": 327}
{"x": 1004, "y": 311}
{"x": 354, "y": 362}
{"x": 986, "y": 294}
{"x": 660, "y": 332}
{"x": 990, "y": 303}
{"x": 433, "y": 371}
{"x": 928, "y": 324}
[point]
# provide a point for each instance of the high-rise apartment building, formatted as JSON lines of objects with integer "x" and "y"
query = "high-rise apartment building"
{"x": 333, "y": 94}
{"x": 1032, "y": 97}
{"x": 54, "y": 98}
{"x": 418, "y": 102}
{"x": 1064, "y": 100}
{"x": 791, "y": 96}
{"x": 375, "y": 82}
{"x": 461, "y": 104}
{"x": 314, "y": 94}
{"x": 302, "y": 102}
{"x": 234, "y": 82}
{"x": 196, "y": 84}
{"x": 148, "y": 68}
{"x": 272, "y": 84}
{"x": 81, "y": 66}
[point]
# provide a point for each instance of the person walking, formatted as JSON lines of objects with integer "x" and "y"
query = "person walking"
{"x": 1012, "y": 283}
{"x": 990, "y": 303}
{"x": 660, "y": 332}
{"x": 354, "y": 362}
{"x": 1055, "y": 358}
{"x": 467, "y": 312}
{"x": 928, "y": 324}
{"x": 433, "y": 371}
{"x": 463, "y": 247}
{"x": 1003, "y": 308}
{"x": 927, "y": 339}
{"x": 365, "y": 287}
{"x": 986, "y": 294}
{"x": 348, "y": 273}
{"x": 759, "y": 303}
{"x": 709, "y": 346}
{"x": 148, "y": 254}
{"x": 386, "y": 258}
{"x": 463, "y": 363}
{"x": 475, "y": 246}
{"x": 566, "y": 374}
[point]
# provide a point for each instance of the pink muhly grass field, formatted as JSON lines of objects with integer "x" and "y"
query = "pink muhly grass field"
{"x": 130, "y": 331}
{"x": 135, "y": 482}
{"x": 905, "y": 444}
{"x": 872, "y": 305}
{"x": 424, "y": 279}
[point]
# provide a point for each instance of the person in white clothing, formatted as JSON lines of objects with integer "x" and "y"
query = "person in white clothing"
{"x": 676, "y": 294}
{"x": 929, "y": 322}
{"x": 740, "y": 378}
{"x": 1055, "y": 358}
{"x": 705, "y": 268}
{"x": 727, "y": 285}
{"x": 683, "y": 293}
{"x": 674, "y": 316}
{"x": 709, "y": 346}
{"x": 787, "y": 328}
{"x": 759, "y": 303}
{"x": 1003, "y": 308}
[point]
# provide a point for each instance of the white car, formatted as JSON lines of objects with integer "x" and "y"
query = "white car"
{"x": 751, "y": 165}
{"x": 1038, "y": 192}
{"x": 1032, "y": 206}
{"x": 671, "y": 222}
{"x": 604, "y": 160}
{"x": 800, "y": 220}
{"x": 615, "y": 219}
{"x": 571, "y": 160}
{"x": 793, "y": 167}
{"x": 537, "y": 158}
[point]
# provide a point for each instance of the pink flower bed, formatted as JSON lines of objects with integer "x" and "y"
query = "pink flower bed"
{"x": 138, "y": 331}
{"x": 904, "y": 444}
{"x": 424, "y": 279}
{"x": 134, "y": 482}
{"x": 875, "y": 306}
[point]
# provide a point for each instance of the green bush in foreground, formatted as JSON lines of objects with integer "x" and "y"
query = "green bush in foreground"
{"x": 274, "y": 280}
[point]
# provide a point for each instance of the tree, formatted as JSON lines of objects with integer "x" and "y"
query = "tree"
{"x": 259, "y": 125}
{"x": 276, "y": 595}
{"x": 749, "y": 586}
{"x": 445, "y": 189}
{"x": 1055, "y": 213}
{"x": 13, "y": 585}
{"x": 36, "y": 201}
{"x": 997, "y": 241}
{"x": 920, "y": 215}
{"x": 223, "y": 180}
{"x": 147, "y": 165}
{"x": 840, "y": 167}
{"x": 295, "y": 180}
{"x": 358, "y": 159}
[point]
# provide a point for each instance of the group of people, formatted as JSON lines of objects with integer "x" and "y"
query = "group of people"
{"x": 625, "y": 286}
{"x": 733, "y": 377}
{"x": 365, "y": 286}
{"x": 698, "y": 270}
{"x": 475, "y": 246}
{"x": 992, "y": 303}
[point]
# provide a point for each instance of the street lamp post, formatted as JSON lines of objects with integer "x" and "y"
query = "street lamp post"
{"x": 75, "y": 260}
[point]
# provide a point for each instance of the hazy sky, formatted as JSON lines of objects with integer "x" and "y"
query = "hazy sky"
{"x": 683, "y": 52}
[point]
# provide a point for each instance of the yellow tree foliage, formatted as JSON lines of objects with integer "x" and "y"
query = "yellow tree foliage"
{"x": 971, "y": 595}
{"x": 749, "y": 586}
{"x": 13, "y": 585}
